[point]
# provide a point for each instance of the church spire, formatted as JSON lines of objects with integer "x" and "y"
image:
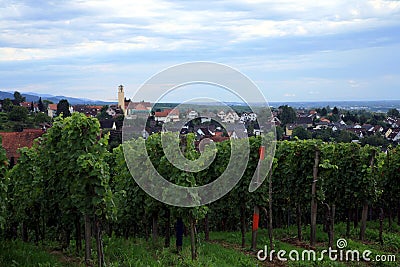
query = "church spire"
{"x": 121, "y": 98}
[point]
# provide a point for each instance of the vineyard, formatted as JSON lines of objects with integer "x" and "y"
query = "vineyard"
{"x": 69, "y": 192}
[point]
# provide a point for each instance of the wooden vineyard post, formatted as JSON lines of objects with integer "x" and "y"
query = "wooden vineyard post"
{"x": 179, "y": 234}
{"x": 381, "y": 217}
{"x": 270, "y": 235}
{"x": 88, "y": 245}
{"x": 256, "y": 213}
{"x": 313, "y": 201}
{"x": 364, "y": 214}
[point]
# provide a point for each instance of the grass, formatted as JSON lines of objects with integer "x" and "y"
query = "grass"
{"x": 18, "y": 253}
{"x": 140, "y": 253}
{"x": 224, "y": 250}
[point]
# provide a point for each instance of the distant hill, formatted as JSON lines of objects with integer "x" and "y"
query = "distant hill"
{"x": 55, "y": 99}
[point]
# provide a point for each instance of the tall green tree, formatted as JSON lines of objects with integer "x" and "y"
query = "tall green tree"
{"x": 324, "y": 112}
{"x": 18, "y": 113}
{"x": 63, "y": 107}
{"x": 301, "y": 133}
{"x": 18, "y": 98}
{"x": 41, "y": 118}
{"x": 287, "y": 114}
{"x": 41, "y": 105}
{"x": 7, "y": 105}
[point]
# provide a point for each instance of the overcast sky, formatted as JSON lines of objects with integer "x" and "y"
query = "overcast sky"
{"x": 293, "y": 50}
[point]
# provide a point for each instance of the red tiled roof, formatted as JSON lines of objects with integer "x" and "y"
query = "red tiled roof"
{"x": 28, "y": 104}
{"x": 12, "y": 141}
{"x": 166, "y": 112}
{"x": 53, "y": 106}
{"x": 95, "y": 107}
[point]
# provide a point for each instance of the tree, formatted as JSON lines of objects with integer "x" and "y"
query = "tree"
{"x": 46, "y": 104}
{"x": 324, "y": 112}
{"x": 345, "y": 137}
{"x": 18, "y": 98}
{"x": 41, "y": 105}
{"x": 63, "y": 107}
{"x": 333, "y": 118}
{"x": 301, "y": 133}
{"x": 335, "y": 111}
{"x": 279, "y": 132}
{"x": 32, "y": 109}
{"x": 103, "y": 115}
{"x": 375, "y": 140}
{"x": 287, "y": 115}
{"x": 7, "y": 105}
{"x": 18, "y": 113}
{"x": 393, "y": 113}
{"x": 41, "y": 118}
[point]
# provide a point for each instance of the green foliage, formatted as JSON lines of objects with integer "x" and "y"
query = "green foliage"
{"x": 17, "y": 253}
{"x": 279, "y": 132}
{"x": 77, "y": 155}
{"x": 27, "y": 187}
{"x": 41, "y": 106}
{"x": 7, "y": 105}
{"x": 393, "y": 113}
{"x": 18, "y": 98}
{"x": 301, "y": 133}
{"x": 3, "y": 186}
{"x": 346, "y": 137}
{"x": 41, "y": 117}
{"x": 323, "y": 112}
{"x": 63, "y": 108}
{"x": 69, "y": 172}
{"x": 18, "y": 113}
{"x": 63, "y": 176}
{"x": 287, "y": 114}
{"x": 103, "y": 114}
{"x": 375, "y": 140}
{"x": 388, "y": 171}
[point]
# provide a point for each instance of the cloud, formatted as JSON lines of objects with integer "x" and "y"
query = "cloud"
{"x": 289, "y": 95}
{"x": 309, "y": 43}
{"x": 353, "y": 84}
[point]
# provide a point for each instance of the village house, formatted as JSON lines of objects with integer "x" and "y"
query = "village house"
{"x": 52, "y": 110}
{"x": 137, "y": 109}
{"x": 221, "y": 115}
{"x": 167, "y": 115}
{"x": 245, "y": 117}
{"x": 28, "y": 105}
{"x": 394, "y": 135}
{"x": 88, "y": 110}
{"x": 231, "y": 117}
{"x": 192, "y": 115}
